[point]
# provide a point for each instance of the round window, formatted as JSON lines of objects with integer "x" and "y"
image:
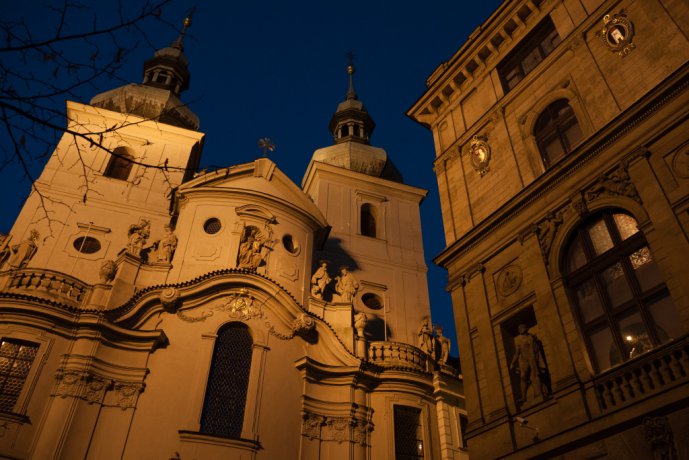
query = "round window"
{"x": 212, "y": 226}
{"x": 86, "y": 245}
{"x": 372, "y": 301}
{"x": 289, "y": 244}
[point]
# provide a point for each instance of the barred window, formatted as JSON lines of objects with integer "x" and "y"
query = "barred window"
{"x": 16, "y": 358}
{"x": 620, "y": 297}
{"x": 228, "y": 381}
{"x": 408, "y": 433}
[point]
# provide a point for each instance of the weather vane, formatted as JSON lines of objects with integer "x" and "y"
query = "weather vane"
{"x": 266, "y": 144}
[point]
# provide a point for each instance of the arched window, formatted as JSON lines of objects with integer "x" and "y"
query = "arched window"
{"x": 228, "y": 381}
{"x": 120, "y": 164}
{"x": 368, "y": 220}
{"x": 557, "y": 131}
{"x": 619, "y": 294}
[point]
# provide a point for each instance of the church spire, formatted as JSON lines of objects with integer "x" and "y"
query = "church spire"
{"x": 168, "y": 69}
{"x": 351, "y": 121}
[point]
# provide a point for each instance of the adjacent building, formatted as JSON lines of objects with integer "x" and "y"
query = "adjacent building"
{"x": 561, "y": 133}
{"x": 148, "y": 310}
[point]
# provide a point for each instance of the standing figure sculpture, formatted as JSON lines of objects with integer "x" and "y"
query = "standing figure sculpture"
{"x": 166, "y": 246}
{"x": 320, "y": 280}
{"x": 346, "y": 285}
{"x": 443, "y": 345}
{"x": 21, "y": 253}
{"x": 426, "y": 338}
{"x": 250, "y": 250}
{"x": 529, "y": 363}
{"x": 138, "y": 236}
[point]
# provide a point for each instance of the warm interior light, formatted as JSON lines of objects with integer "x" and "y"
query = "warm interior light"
{"x": 629, "y": 338}
{"x": 419, "y": 447}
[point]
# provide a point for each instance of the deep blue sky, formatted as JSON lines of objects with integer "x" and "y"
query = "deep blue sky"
{"x": 277, "y": 69}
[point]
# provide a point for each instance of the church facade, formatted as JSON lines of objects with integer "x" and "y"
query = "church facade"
{"x": 223, "y": 314}
{"x": 561, "y": 133}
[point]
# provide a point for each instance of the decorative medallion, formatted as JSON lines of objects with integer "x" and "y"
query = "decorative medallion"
{"x": 617, "y": 33}
{"x": 240, "y": 305}
{"x": 509, "y": 280}
{"x": 480, "y": 154}
{"x": 680, "y": 163}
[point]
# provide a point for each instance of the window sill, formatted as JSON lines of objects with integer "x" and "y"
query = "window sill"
{"x": 216, "y": 440}
{"x": 14, "y": 418}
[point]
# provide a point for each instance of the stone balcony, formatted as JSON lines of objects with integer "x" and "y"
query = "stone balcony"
{"x": 398, "y": 355}
{"x": 46, "y": 284}
{"x": 659, "y": 370}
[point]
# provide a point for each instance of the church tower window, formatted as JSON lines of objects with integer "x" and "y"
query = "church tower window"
{"x": 557, "y": 131}
{"x": 620, "y": 297}
{"x": 228, "y": 381}
{"x": 368, "y": 220}
{"x": 120, "y": 164}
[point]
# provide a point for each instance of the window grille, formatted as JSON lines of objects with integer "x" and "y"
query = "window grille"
{"x": 16, "y": 358}
{"x": 620, "y": 297}
{"x": 223, "y": 408}
{"x": 408, "y": 433}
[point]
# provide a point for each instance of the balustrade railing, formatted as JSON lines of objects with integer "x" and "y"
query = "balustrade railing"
{"x": 397, "y": 355}
{"x": 657, "y": 370}
{"x": 53, "y": 285}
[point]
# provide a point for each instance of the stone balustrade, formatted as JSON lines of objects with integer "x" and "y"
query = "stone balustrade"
{"x": 658, "y": 370}
{"x": 48, "y": 284}
{"x": 398, "y": 355}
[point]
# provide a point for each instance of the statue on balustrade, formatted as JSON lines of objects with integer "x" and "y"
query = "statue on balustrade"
{"x": 346, "y": 285}
{"x": 20, "y": 254}
{"x": 165, "y": 247}
{"x": 320, "y": 280}
{"x": 426, "y": 342}
{"x": 443, "y": 345}
{"x": 138, "y": 236}
{"x": 529, "y": 363}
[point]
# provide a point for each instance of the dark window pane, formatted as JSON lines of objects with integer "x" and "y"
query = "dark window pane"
{"x": 589, "y": 302}
{"x": 576, "y": 256}
{"x": 368, "y": 220}
{"x": 572, "y": 134}
{"x": 616, "y": 285}
{"x": 408, "y": 433}
{"x": 605, "y": 351}
{"x": 120, "y": 164}
{"x": 553, "y": 151}
{"x": 531, "y": 60}
{"x": 645, "y": 268}
{"x": 668, "y": 324}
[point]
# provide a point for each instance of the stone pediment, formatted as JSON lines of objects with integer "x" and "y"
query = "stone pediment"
{"x": 261, "y": 179}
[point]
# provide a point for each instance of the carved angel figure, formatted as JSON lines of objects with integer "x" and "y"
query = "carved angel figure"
{"x": 250, "y": 250}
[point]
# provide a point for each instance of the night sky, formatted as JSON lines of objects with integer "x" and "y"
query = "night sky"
{"x": 277, "y": 69}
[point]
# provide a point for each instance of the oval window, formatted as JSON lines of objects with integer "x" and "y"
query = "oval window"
{"x": 372, "y": 301}
{"x": 212, "y": 226}
{"x": 86, "y": 245}
{"x": 289, "y": 244}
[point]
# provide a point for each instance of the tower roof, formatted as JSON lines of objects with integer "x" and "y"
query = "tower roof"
{"x": 166, "y": 76}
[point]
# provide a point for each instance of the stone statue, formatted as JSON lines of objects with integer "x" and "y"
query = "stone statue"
{"x": 529, "y": 363}
{"x": 250, "y": 250}
{"x": 360, "y": 320}
{"x": 108, "y": 270}
{"x": 165, "y": 248}
{"x": 320, "y": 280}
{"x": 443, "y": 345}
{"x": 138, "y": 236}
{"x": 346, "y": 285}
{"x": 426, "y": 337}
{"x": 21, "y": 253}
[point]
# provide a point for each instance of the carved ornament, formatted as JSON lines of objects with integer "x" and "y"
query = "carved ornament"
{"x": 659, "y": 436}
{"x": 240, "y": 305}
{"x": 170, "y": 299}
{"x": 617, "y": 33}
{"x": 615, "y": 183}
{"x": 546, "y": 231}
{"x": 680, "y": 162}
{"x": 480, "y": 151}
{"x": 338, "y": 429}
{"x": 128, "y": 394}
{"x": 509, "y": 280}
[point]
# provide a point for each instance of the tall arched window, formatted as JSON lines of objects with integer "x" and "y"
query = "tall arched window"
{"x": 228, "y": 381}
{"x": 557, "y": 131}
{"x": 368, "y": 220}
{"x": 620, "y": 297}
{"x": 120, "y": 164}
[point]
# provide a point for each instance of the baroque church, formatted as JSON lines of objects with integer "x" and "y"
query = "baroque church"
{"x": 561, "y": 131}
{"x": 178, "y": 314}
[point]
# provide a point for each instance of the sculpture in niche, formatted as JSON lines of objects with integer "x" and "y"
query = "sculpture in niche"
{"x": 426, "y": 337}
{"x": 108, "y": 270}
{"x": 251, "y": 249}
{"x": 320, "y": 280}
{"x": 443, "y": 345}
{"x": 360, "y": 320}
{"x": 660, "y": 437}
{"x": 346, "y": 285}
{"x": 138, "y": 236}
{"x": 20, "y": 254}
{"x": 617, "y": 182}
{"x": 165, "y": 247}
{"x": 529, "y": 363}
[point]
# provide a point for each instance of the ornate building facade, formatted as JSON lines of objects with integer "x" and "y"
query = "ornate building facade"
{"x": 221, "y": 314}
{"x": 562, "y": 149}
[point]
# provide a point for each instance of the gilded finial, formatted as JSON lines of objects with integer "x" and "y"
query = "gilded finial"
{"x": 179, "y": 42}
{"x": 351, "y": 93}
